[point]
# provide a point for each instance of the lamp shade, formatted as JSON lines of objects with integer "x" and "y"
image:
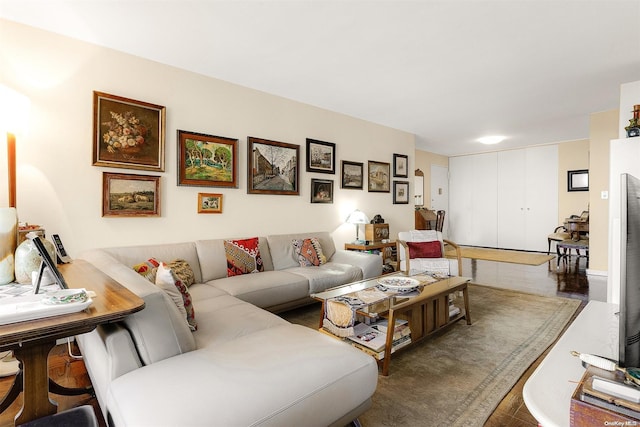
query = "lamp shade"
{"x": 357, "y": 217}
{"x": 14, "y": 110}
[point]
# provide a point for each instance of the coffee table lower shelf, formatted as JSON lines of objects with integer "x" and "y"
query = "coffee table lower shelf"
{"x": 426, "y": 314}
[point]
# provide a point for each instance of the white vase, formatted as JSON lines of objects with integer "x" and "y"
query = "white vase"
{"x": 28, "y": 259}
{"x": 8, "y": 241}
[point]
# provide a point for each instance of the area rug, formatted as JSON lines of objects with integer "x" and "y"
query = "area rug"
{"x": 501, "y": 255}
{"x": 458, "y": 376}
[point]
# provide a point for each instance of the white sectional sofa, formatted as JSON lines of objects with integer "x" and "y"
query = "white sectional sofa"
{"x": 244, "y": 365}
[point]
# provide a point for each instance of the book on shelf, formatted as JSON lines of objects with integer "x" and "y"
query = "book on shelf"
{"x": 379, "y": 355}
{"x": 401, "y": 329}
{"x": 369, "y": 337}
{"x": 453, "y": 310}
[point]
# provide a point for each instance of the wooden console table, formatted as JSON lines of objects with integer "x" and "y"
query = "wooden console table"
{"x": 31, "y": 341}
{"x": 388, "y": 247}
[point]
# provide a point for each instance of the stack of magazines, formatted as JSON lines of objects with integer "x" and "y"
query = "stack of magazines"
{"x": 372, "y": 338}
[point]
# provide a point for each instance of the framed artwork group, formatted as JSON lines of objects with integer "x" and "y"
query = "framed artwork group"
{"x": 130, "y": 134}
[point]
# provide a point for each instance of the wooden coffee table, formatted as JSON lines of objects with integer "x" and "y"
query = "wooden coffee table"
{"x": 426, "y": 312}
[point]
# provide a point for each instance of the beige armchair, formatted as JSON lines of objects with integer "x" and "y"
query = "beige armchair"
{"x": 424, "y": 250}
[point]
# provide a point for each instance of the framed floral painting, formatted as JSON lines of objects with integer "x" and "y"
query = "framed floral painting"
{"x": 126, "y": 194}
{"x": 127, "y": 133}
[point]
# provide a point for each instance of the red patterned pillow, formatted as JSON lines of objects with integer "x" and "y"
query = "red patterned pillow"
{"x": 425, "y": 249}
{"x": 147, "y": 269}
{"x": 243, "y": 256}
{"x": 309, "y": 252}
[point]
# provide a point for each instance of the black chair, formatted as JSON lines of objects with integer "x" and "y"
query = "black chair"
{"x": 439, "y": 220}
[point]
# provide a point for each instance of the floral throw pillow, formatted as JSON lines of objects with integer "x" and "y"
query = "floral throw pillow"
{"x": 183, "y": 270}
{"x": 243, "y": 256}
{"x": 167, "y": 280}
{"x": 309, "y": 252}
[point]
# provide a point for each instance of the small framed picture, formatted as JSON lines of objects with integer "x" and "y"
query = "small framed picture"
{"x": 321, "y": 156}
{"x": 400, "y": 192}
{"x": 352, "y": 175}
{"x": 272, "y": 167}
{"x": 130, "y": 195}
{"x": 379, "y": 180}
{"x": 321, "y": 191}
{"x": 207, "y": 160}
{"x": 400, "y": 166}
{"x": 127, "y": 133}
{"x": 209, "y": 203}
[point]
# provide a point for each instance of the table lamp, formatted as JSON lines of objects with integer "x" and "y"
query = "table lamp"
{"x": 357, "y": 217}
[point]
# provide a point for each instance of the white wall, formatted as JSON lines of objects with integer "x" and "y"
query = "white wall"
{"x": 60, "y": 189}
{"x": 624, "y": 158}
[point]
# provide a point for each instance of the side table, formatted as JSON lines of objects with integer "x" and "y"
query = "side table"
{"x": 388, "y": 251}
{"x": 32, "y": 340}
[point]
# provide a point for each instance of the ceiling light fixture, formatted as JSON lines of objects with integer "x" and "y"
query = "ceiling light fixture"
{"x": 495, "y": 139}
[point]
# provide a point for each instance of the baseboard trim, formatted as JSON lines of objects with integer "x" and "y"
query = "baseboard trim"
{"x": 603, "y": 273}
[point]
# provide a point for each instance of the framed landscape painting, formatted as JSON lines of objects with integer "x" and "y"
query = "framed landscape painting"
{"x": 207, "y": 160}
{"x": 209, "y": 203}
{"x": 352, "y": 175}
{"x": 127, "y": 133}
{"x": 379, "y": 180}
{"x": 130, "y": 195}
{"x": 272, "y": 167}
{"x": 321, "y": 156}
{"x": 400, "y": 166}
{"x": 400, "y": 192}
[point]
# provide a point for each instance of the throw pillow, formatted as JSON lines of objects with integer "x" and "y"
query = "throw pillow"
{"x": 425, "y": 249}
{"x": 147, "y": 269}
{"x": 167, "y": 280}
{"x": 183, "y": 270}
{"x": 309, "y": 252}
{"x": 243, "y": 256}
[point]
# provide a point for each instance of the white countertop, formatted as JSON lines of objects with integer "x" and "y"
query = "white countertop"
{"x": 547, "y": 393}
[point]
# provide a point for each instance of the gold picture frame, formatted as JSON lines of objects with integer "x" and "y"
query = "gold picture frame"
{"x": 128, "y": 133}
{"x": 130, "y": 195}
{"x": 209, "y": 203}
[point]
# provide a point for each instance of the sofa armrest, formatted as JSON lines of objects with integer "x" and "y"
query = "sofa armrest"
{"x": 123, "y": 356}
{"x": 370, "y": 264}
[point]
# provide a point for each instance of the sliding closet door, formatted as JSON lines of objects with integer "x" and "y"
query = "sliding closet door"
{"x": 527, "y": 197}
{"x": 473, "y": 199}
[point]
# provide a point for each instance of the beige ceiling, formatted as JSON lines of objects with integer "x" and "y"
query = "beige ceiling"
{"x": 448, "y": 71}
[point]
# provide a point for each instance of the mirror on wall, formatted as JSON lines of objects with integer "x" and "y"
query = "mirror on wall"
{"x": 418, "y": 184}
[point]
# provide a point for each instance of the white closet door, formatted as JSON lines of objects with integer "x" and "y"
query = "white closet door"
{"x": 541, "y": 189}
{"x": 473, "y": 199}
{"x": 511, "y": 199}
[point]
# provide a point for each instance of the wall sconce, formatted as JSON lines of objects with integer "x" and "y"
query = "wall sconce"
{"x": 357, "y": 217}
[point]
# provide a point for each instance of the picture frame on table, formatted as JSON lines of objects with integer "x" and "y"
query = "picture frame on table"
{"x": 321, "y": 156}
{"x": 272, "y": 167}
{"x": 130, "y": 195}
{"x": 379, "y": 177}
{"x": 209, "y": 203}
{"x": 400, "y": 192}
{"x": 400, "y": 166}
{"x": 321, "y": 190}
{"x": 128, "y": 133}
{"x": 352, "y": 175}
{"x": 207, "y": 160}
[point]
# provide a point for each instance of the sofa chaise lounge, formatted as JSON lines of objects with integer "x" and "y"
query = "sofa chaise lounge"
{"x": 244, "y": 365}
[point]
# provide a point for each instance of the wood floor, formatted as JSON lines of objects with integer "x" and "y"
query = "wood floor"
{"x": 569, "y": 280}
